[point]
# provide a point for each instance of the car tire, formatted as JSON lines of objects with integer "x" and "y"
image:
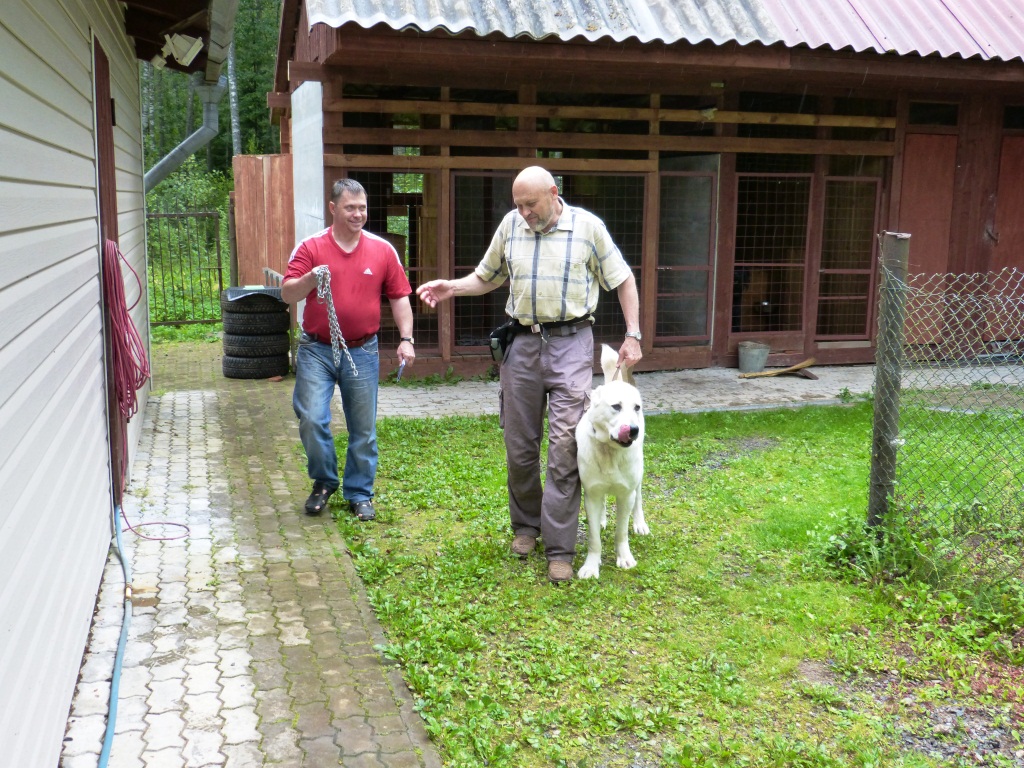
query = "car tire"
{"x": 256, "y": 346}
{"x": 235, "y": 367}
{"x": 253, "y": 303}
{"x": 256, "y": 323}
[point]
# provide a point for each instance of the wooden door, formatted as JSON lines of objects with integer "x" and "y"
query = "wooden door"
{"x": 926, "y": 200}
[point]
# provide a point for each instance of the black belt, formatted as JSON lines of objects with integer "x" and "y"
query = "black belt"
{"x": 353, "y": 344}
{"x": 559, "y": 327}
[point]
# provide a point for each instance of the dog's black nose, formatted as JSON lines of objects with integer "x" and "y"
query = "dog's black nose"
{"x": 634, "y": 431}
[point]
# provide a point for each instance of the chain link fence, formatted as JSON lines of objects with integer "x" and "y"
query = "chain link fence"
{"x": 948, "y": 449}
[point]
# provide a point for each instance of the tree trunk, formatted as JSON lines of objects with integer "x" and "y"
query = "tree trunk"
{"x": 236, "y": 129}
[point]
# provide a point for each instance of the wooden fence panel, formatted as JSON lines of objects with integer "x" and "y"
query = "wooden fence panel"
{"x": 264, "y": 218}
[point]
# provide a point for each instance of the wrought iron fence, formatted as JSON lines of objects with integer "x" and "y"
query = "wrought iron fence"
{"x": 186, "y": 273}
{"x": 948, "y": 452}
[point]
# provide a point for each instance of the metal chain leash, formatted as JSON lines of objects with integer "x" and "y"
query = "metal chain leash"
{"x": 324, "y": 296}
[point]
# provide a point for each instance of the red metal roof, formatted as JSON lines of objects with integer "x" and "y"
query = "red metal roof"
{"x": 988, "y": 29}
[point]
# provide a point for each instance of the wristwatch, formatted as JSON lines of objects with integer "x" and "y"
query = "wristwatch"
{"x": 409, "y": 339}
{"x": 633, "y": 335}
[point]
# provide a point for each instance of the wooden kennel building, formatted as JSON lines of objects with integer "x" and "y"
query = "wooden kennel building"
{"x": 744, "y": 155}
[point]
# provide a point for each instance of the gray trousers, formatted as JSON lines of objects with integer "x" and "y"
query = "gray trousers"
{"x": 553, "y": 375}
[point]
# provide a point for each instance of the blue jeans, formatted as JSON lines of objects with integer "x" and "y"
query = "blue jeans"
{"x": 315, "y": 379}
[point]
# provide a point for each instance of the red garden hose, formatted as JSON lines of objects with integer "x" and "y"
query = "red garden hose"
{"x": 128, "y": 354}
{"x": 129, "y": 363}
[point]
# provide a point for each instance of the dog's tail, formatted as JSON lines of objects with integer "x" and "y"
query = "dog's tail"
{"x": 609, "y": 361}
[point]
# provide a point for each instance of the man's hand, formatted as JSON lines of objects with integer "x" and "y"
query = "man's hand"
{"x": 629, "y": 353}
{"x": 435, "y": 291}
{"x": 406, "y": 353}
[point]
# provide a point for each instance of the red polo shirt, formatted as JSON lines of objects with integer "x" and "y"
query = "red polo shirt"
{"x": 359, "y": 278}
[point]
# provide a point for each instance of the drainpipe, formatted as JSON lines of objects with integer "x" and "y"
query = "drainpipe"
{"x": 210, "y": 94}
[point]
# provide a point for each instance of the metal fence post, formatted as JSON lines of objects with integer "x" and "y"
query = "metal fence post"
{"x": 892, "y": 311}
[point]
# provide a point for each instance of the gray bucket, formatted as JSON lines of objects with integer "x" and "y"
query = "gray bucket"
{"x": 753, "y": 356}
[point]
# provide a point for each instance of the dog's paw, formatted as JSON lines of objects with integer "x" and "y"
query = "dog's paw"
{"x": 589, "y": 569}
{"x": 625, "y": 560}
{"x": 640, "y": 528}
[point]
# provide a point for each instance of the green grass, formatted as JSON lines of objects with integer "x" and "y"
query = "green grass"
{"x": 753, "y": 632}
{"x": 170, "y": 334}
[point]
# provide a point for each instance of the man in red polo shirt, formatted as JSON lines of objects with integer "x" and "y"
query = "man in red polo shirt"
{"x": 363, "y": 267}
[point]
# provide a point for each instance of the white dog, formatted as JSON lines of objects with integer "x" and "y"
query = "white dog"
{"x": 610, "y": 450}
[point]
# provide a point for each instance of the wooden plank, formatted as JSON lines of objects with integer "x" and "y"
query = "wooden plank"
{"x": 281, "y": 213}
{"x": 301, "y": 71}
{"x": 649, "y": 259}
{"x": 425, "y": 163}
{"x": 725, "y": 252}
{"x": 929, "y": 166}
{"x": 415, "y": 50}
{"x": 870, "y": 69}
{"x": 446, "y": 263}
{"x": 638, "y": 142}
{"x": 264, "y": 217}
{"x": 277, "y": 100}
{"x": 527, "y": 111}
{"x": 1009, "y": 219}
{"x": 976, "y": 184}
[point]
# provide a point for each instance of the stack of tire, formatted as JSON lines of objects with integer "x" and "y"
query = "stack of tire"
{"x": 256, "y": 333}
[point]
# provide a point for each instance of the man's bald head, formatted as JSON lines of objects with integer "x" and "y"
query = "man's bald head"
{"x": 534, "y": 178}
{"x": 536, "y": 197}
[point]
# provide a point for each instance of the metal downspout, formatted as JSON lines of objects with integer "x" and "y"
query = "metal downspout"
{"x": 210, "y": 95}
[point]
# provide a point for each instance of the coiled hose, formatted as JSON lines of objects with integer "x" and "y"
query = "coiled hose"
{"x": 130, "y": 373}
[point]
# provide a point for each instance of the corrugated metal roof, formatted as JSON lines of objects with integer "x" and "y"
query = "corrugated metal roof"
{"x": 988, "y": 29}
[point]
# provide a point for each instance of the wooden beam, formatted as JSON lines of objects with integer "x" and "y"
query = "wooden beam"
{"x": 635, "y": 142}
{"x": 907, "y": 68}
{"x": 277, "y": 100}
{"x": 413, "y": 163}
{"x": 526, "y": 111}
{"x": 300, "y": 71}
{"x": 544, "y": 55}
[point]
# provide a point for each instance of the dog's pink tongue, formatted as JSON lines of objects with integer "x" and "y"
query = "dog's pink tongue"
{"x": 624, "y": 433}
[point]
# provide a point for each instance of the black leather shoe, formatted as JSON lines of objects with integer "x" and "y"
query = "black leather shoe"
{"x": 363, "y": 510}
{"x": 317, "y": 501}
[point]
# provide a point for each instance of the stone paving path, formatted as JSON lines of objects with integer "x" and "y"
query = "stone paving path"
{"x": 252, "y": 641}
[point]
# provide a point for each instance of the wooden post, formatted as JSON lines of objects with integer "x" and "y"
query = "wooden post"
{"x": 892, "y": 312}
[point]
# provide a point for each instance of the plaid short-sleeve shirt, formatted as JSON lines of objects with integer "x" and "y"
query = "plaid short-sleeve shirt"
{"x": 555, "y": 276}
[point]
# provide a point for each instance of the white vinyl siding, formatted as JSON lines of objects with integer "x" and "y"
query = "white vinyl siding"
{"x": 55, "y": 486}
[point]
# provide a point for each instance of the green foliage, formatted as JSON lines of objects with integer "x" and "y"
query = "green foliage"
{"x": 256, "y": 30}
{"x": 187, "y": 257}
{"x": 170, "y": 334}
{"x": 691, "y": 658}
{"x": 169, "y": 99}
{"x": 191, "y": 188}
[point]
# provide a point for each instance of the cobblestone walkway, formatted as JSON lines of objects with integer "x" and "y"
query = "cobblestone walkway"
{"x": 252, "y": 642}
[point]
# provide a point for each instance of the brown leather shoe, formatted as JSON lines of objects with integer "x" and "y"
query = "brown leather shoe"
{"x": 523, "y": 545}
{"x": 559, "y": 571}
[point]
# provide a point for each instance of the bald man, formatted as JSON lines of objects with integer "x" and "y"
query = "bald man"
{"x": 557, "y": 256}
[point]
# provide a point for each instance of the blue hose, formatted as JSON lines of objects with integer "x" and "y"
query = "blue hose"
{"x": 115, "y": 679}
